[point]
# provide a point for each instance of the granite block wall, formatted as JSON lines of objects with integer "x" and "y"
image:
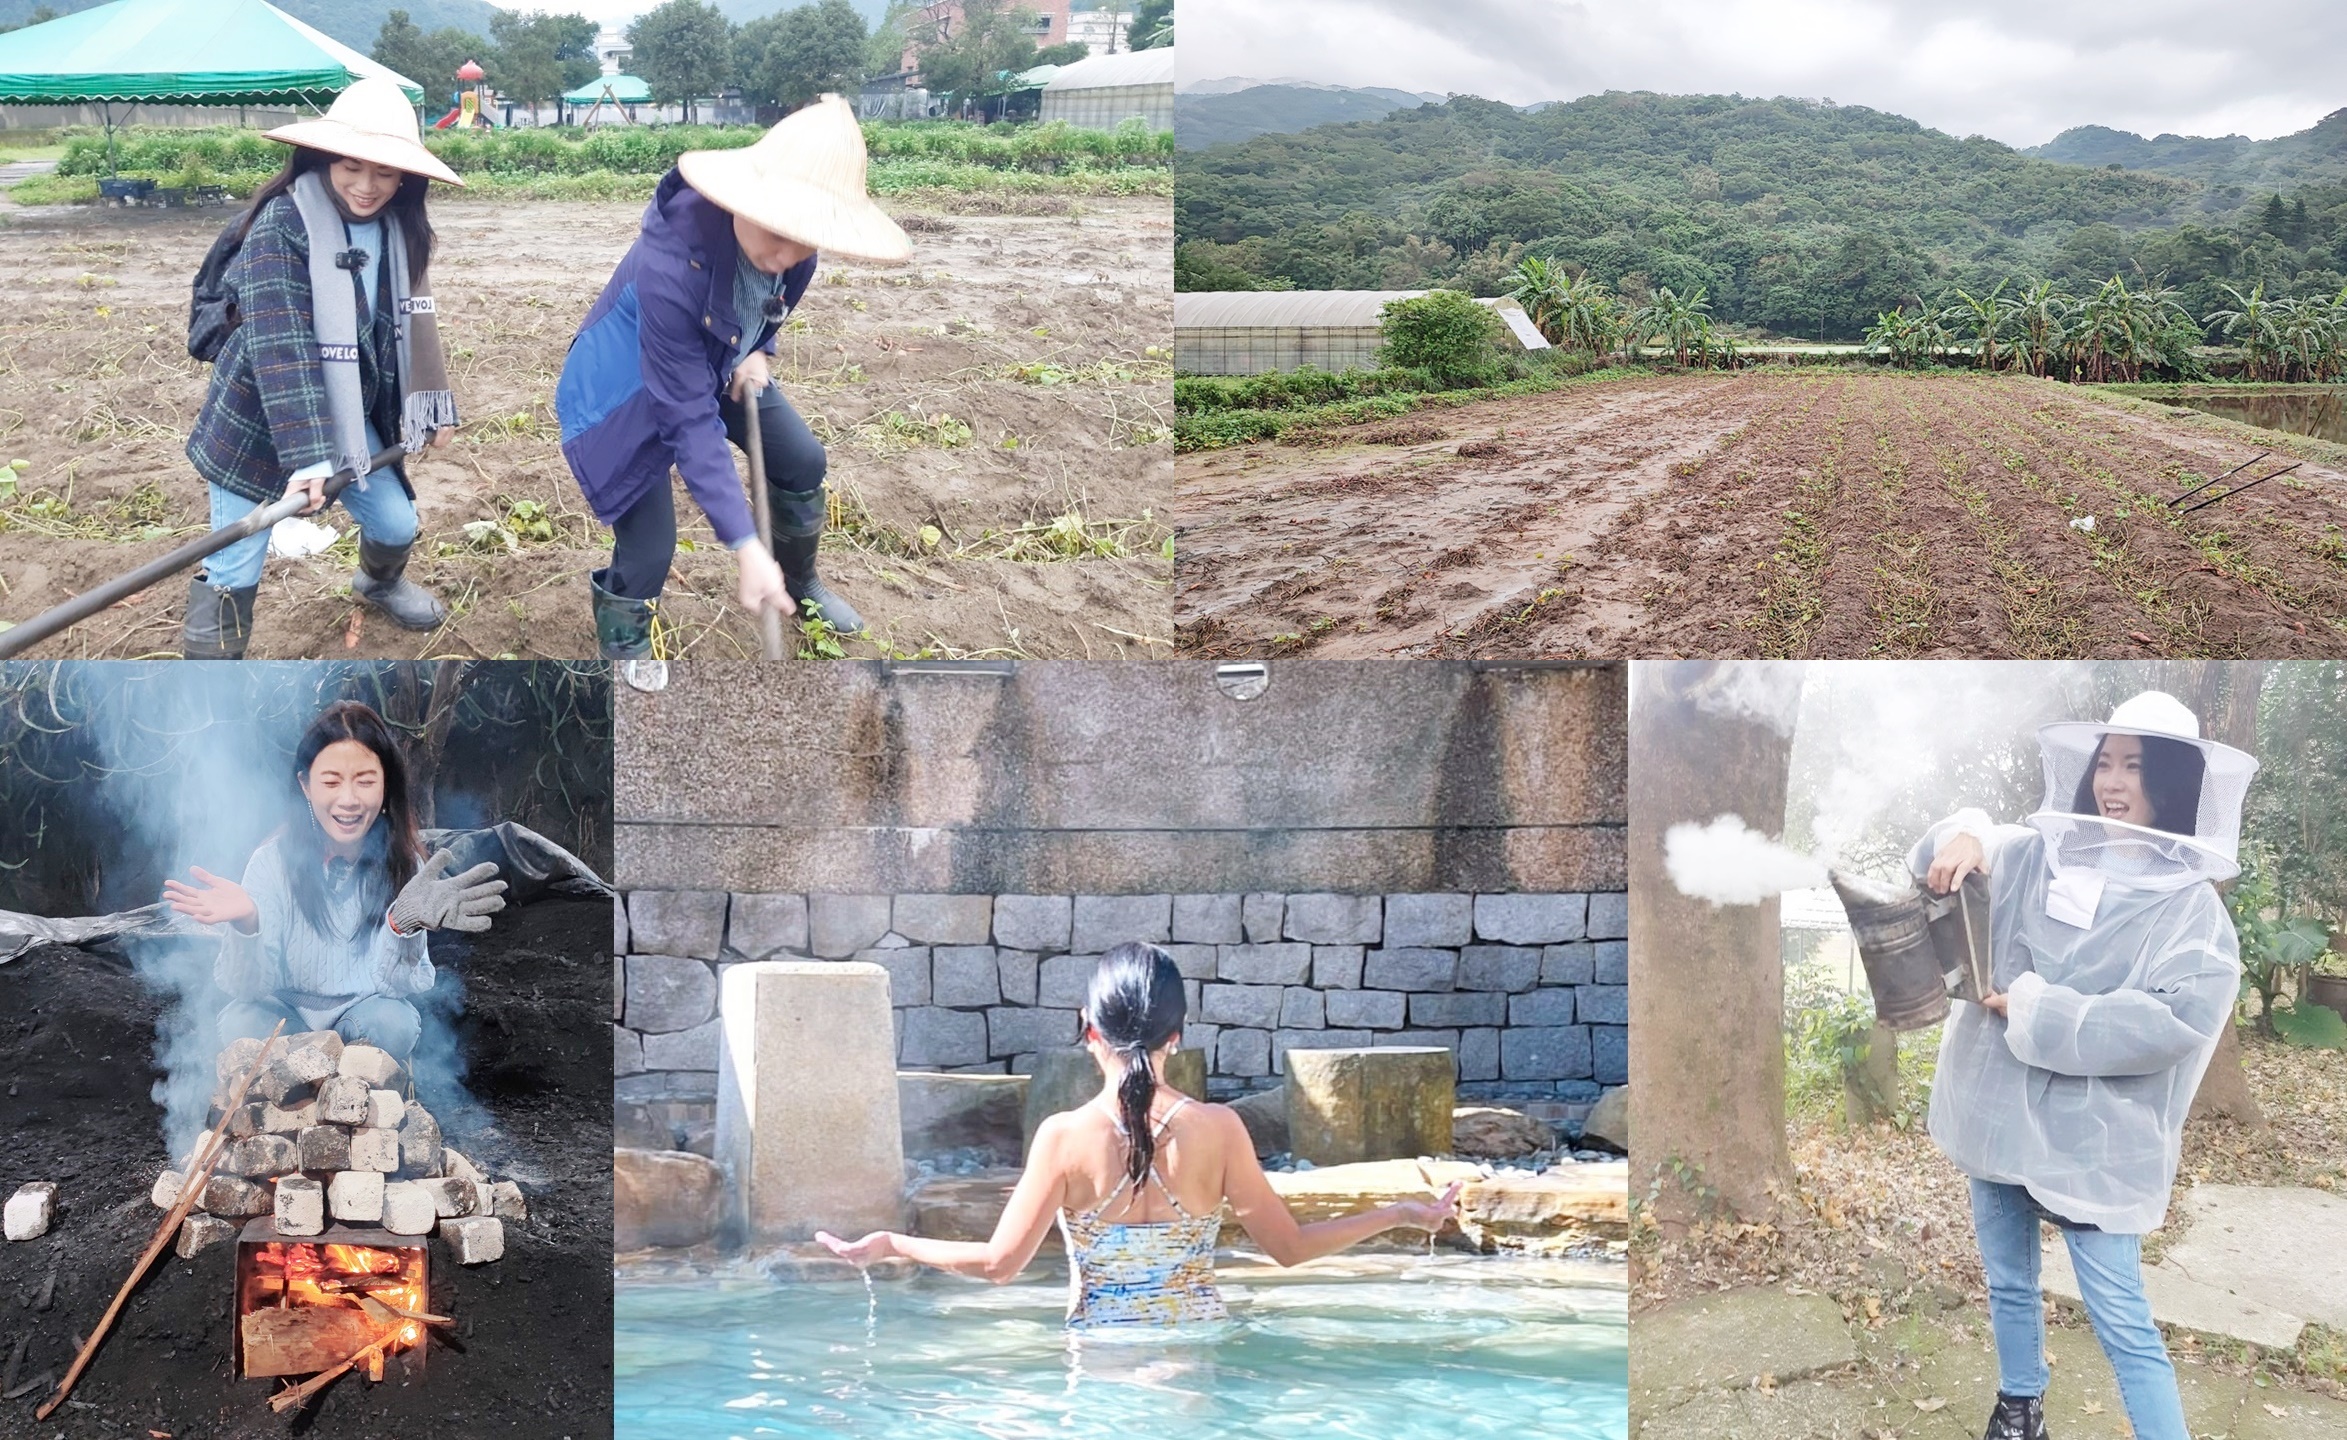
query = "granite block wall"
{"x": 1526, "y": 990}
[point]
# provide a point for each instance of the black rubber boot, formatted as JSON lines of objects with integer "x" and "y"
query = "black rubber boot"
{"x": 2017, "y": 1417}
{"x": 381, "y": 582}
{"x": 798, "y": 529}
{"x": 623, "y": 632}
{"x": 219, "y": 621}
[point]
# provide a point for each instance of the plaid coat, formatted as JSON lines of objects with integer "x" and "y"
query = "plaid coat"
{"x": 264, "y": 416}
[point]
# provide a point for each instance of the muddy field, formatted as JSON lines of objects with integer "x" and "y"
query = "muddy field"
{"x": 1000, "y": 383}
{"x": 532, "y": 1352}
{"x": 1762, "y": 514}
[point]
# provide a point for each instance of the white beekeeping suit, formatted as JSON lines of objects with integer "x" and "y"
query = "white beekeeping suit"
{"x": 2120, "y": 966}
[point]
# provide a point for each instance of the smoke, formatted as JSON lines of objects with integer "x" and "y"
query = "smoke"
{"x": 1729, "y": 863}
{"x": 1887, "y": 747}
{"x": 195, "y": 765}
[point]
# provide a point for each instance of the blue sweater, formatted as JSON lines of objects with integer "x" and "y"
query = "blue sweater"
{"x": 288, "y": 958}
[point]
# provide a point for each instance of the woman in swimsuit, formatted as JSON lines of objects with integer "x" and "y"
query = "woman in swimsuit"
{"x": 1137, "y": 1177}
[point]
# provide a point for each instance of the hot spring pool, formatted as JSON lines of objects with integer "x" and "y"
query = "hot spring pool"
{"x": 1408, "y": 1348}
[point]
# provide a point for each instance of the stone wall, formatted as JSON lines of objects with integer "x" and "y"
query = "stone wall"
{"x": 1526, "y": 990}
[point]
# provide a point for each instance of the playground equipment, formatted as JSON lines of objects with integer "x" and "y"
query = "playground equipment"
{"x": 470, "y": 110}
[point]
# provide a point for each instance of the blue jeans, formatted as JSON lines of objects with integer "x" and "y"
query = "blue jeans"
{"x": 383, "y": 1021}
{"x": 383, "y": 511}
{"x": 2110, "y": 1281}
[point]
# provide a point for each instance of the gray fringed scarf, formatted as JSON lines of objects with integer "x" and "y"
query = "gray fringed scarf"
{"x": 426, "y": 403}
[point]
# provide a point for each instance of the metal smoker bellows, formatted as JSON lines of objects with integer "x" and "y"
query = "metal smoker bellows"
{"x": 1920, "y": 950}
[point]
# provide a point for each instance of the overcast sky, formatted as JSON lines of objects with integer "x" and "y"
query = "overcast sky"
{"x": 2020, "y": 71}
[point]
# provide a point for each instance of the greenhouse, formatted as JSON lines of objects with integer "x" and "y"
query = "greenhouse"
{"x": 1104, "y": 91}
{"x": 1249, "y": 332}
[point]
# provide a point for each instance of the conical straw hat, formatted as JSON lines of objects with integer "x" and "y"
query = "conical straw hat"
{"x": 371, "y": 120}
{"x": 803, "y": 179}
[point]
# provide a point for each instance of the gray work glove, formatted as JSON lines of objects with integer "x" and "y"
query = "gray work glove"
{"x": 437, "y": 900}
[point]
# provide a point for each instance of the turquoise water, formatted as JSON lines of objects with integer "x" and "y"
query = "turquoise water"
{"x": 1385, "y": 1349}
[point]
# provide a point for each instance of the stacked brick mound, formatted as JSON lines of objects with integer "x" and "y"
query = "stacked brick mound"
{"x": 326, "y": 1133}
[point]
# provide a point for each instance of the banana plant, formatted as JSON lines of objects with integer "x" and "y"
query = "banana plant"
{"x": 1985, "y": 316}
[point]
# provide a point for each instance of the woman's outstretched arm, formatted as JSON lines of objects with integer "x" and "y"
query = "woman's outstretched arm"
{"x": 1017, "y": 1235}
{"x": 1271, "y": 1225}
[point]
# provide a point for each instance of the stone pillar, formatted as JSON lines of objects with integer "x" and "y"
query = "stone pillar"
{"x": 1065, "y": 1079}
{"x": 807, "y": 1121}
{"x": 1390, "y": 1103}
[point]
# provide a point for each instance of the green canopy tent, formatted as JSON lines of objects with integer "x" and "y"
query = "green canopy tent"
{"x": 617, "y": 91}
{"x": 183, "y": 52}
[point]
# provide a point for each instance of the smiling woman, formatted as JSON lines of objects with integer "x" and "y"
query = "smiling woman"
{"x": 327, "y": 932}
{"x": 313, "y": 370}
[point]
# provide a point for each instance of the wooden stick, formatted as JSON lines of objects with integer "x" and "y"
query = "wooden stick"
{"x": 294, "y": 1396}
{"x": 207, "y": 1155}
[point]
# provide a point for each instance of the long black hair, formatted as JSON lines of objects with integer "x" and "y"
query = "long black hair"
{"x": 407, "y": 202}
{"x": 392, "y": 848}
{"x": 2172, "y": 772}
{"x": 1136, "y": 1004}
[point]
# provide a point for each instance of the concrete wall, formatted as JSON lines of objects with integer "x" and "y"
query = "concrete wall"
{"x": 1064, "y": 777}
{"x": 1365, "y": 853}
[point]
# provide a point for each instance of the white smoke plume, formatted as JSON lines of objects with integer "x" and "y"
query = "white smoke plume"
{"x": 1729, "y": 863}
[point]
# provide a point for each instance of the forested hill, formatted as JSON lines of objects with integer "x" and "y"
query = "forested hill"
{"x": 1203, "y": 120}
{"x": 2236, "y": 170}
{"x": 1800, "y": 217}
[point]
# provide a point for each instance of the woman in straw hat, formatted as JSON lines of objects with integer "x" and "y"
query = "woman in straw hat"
{"x": 335, "y": 346}
{"x": 2063, "y": 1094}
{"x": 676, "y": 346}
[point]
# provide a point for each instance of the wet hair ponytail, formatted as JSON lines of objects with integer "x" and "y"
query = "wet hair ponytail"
{"x": 1136, "y": 1004}
{"x": 2172, "y": 772}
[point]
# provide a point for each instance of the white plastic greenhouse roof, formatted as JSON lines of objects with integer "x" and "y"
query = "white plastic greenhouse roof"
{"x": 1101, "y": 72}
{"x": 1283, "y": 309}
{"x": 1317, "y": 310}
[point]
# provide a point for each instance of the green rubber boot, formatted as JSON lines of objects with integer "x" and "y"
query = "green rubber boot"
{"x": 623, "y": 632}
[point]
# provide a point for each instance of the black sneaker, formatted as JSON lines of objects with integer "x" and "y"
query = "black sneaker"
{"x": 2017, "y": 1417}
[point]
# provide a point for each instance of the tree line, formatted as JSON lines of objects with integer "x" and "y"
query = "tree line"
{"x": 687, "y": 50}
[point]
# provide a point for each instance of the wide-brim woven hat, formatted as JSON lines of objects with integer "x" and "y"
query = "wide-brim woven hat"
{"x": 372, "y": 121}
{"x": 803, "y": 179}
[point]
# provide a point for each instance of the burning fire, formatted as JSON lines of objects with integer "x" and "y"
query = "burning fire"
{"x": 288, "y": 1274}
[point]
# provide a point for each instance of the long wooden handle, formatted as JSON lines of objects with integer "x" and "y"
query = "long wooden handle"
{"x": 769, "y": 619}
{"x": 207, "y": 1155}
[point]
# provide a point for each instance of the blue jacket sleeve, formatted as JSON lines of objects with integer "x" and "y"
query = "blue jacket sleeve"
{"x": 682, "y": 386}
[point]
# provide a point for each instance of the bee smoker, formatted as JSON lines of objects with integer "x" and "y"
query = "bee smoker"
{"x": 1920, "y": 950}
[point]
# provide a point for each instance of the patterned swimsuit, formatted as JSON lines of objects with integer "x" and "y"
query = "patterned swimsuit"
{"x": 1153, "y": 1273}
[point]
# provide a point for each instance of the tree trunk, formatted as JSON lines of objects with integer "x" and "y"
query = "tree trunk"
{"x": 1707, "y": 992}
{"x": 2224, "y": 695}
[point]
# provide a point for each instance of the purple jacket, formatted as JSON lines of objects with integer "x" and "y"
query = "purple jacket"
{"x": 640, "y": 386}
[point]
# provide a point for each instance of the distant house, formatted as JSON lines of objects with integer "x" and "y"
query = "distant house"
{"x": 1050, "y": 26}
{"x": 1103, "y": 31}
{"x": 612, "y": 50}
{"x": 1103, "y": 91}
{"x": 1250, "y": 332}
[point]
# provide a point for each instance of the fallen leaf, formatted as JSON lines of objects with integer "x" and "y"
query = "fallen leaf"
{"x": 1936, "y": 1402}
{"x": 2277, "y": 1412}
{"x": 2091, "y": 1407}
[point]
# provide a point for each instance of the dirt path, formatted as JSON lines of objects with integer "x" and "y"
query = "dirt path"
{"x": 1033, "y": 331}
{"x": 1767, "y": 513}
